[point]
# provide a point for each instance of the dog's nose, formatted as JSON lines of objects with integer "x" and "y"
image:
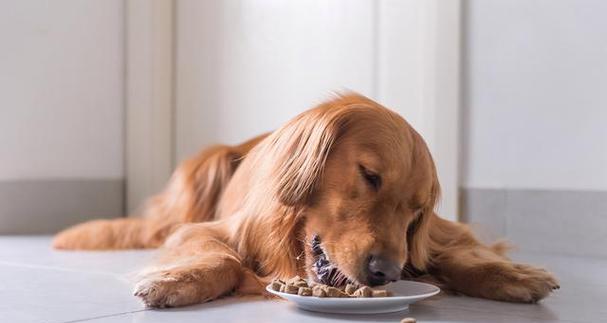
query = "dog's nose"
{"x": 381, "y": 271}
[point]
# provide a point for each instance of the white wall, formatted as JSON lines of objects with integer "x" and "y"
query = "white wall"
{"x": 61, "y": 89}
{"x": 537, "y": 94}
{"x": 246, "y": 67}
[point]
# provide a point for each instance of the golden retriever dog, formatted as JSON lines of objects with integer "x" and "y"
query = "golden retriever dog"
{"x": 345, "y": 192}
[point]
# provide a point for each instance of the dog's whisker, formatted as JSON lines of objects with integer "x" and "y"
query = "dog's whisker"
{"x": 326, "y": 271}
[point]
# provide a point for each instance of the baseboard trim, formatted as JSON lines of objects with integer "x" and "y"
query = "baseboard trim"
{"x": 567, "y": 222}
{"x": 49, "y": 205}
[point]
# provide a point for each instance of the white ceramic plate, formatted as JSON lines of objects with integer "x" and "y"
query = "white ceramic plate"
{"x": 405, "y": 293}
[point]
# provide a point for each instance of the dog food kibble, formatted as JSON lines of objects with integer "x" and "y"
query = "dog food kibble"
{"x": 319, "y": 291}
{"x": 336, "y": 292}
{"x": 299, "y": 286}
{"x": 295, "y": 280}
{"x": 408, "y": 320}
{"x": 276, "y": 285}
{"x": 300, "y": 283}
{"x": 305, "y": 291}
{"x": 291, "y": 289}
{"x": 364, "y": 291}
{"x": 350, "y": 289}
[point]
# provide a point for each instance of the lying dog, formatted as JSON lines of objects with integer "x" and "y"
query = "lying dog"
{"x": 344, "y": 192}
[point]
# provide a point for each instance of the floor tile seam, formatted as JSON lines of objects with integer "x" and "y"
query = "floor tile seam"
{"x": 103, "y": 316}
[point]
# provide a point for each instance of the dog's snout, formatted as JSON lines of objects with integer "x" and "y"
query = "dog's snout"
{"x": 381, "y": 271}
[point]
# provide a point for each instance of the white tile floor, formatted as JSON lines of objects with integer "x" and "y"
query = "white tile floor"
{"x": 38, "y": 284}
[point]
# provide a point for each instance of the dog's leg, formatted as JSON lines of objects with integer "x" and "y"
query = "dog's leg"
{"x": 471, "y": 268}
{"x": 196, "y": 266}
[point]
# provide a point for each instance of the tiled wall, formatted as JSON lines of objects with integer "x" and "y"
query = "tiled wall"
{"x": 566, "y": 222}
{"x": 61, "y": 113}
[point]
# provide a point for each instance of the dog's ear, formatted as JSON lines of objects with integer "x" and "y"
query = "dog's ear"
{"x": 419, "y": 238}
{"x": 300, "y": 150}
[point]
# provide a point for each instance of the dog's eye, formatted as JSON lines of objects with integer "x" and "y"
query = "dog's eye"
{"x": 372, "y": 178}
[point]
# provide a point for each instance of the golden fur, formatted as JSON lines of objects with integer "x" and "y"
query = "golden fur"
{"x": 234, "y": 217}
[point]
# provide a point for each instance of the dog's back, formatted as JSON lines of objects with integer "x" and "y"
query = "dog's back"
{"x": 192, "y": 195}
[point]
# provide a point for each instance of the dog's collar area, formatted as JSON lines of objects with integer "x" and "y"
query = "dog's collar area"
{"x": 326, "y": 272}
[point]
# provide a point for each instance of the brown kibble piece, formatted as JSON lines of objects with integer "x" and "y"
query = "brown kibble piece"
{"x": 291, "y": 289}
{"x": 276, "y": 285}
{"x": 380, "y": 293}
{"x": 300, "y": 283}
{"x": 319, "y": 291}
{"x": 304, "y": 291}
{"x": 364, "y": 291}
{"x": 297, "y": 281}
{"x": 408, "y": 320}
{"x": 300, "y": 286}
{"x": 350, "y": 289}
{"x": 335, "y": 292}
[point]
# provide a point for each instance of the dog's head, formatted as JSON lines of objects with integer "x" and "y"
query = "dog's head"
{"x": 365, "y": 185}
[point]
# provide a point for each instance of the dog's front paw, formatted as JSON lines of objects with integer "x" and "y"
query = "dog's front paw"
{"x": 161, "y": 290}
{"x": 524, "y": 283}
